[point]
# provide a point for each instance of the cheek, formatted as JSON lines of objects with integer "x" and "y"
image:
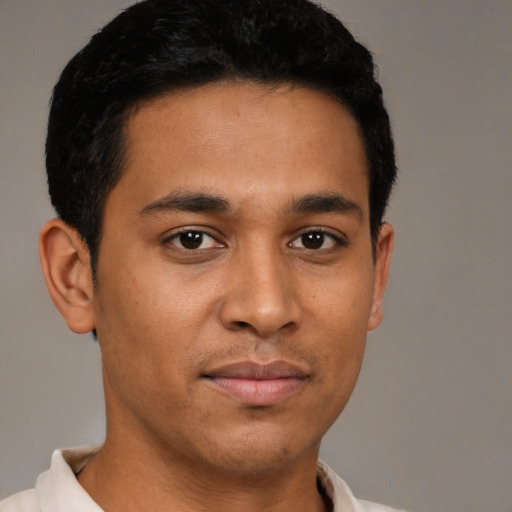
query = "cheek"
{"x": 137, "y": 324}
{"x": 342, "y": 303}
{"x": 340, "y": 373}
{"x": 142, "y": 298}
{"x": 342, "y": 314}
{"x": 153, "y": 322}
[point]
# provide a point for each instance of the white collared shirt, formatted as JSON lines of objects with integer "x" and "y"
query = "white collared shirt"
{"x": 57, "y": 490}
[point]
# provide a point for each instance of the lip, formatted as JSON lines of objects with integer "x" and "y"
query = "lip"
{"x": 257, "y": 384}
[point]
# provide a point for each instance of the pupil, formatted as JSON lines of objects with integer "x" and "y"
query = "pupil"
{"x": 313, "y": 240}
{"x": 191, "y": 239}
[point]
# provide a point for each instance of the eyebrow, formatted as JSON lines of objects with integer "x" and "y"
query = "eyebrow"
{"x": 325, "y": 203}
{"x": 188, "y": 202}
{"x": 200, "y": 202}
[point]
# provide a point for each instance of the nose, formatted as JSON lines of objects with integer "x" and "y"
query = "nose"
{"x": 261, "y": 296}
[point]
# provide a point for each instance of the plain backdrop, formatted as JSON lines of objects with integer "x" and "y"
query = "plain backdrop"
{"x": 429, "y": 427}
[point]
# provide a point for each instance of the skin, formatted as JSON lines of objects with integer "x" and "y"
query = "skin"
{"x": 274, "y": 276}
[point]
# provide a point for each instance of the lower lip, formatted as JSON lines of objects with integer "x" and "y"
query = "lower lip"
{"x": 257, "y": 392}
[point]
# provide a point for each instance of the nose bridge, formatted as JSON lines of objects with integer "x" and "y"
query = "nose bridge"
{"x": 261, "y": 295}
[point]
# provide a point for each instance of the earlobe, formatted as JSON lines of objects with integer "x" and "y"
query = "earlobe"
{"x": 383, "y": 252}
{"x": 66, "y": 268}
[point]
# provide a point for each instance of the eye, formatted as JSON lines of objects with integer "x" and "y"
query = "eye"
{"x": 191, "y": 240}
{"x": 317, "y": 240}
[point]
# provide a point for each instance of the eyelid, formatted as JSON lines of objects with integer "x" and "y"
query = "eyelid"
{"x": 175, "y": 233}
{"x": 339, "y": 238}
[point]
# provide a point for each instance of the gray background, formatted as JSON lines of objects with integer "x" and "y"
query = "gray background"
{"x": 429, "y": 426}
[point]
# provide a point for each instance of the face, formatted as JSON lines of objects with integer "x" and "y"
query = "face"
{"x": 235, "y": 281}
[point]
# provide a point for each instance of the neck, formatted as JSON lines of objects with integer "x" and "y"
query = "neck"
{"x": 140, "y": 470}
{"x": 134, "y": 476}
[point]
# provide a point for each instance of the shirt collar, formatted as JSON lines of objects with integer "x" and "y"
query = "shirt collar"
{"x": 59, "y": 491}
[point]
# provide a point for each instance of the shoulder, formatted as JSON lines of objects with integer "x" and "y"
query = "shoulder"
{"x": 57, "y": 488}
{"x": 341, "y": 496}
{"x": 24, "y": 501}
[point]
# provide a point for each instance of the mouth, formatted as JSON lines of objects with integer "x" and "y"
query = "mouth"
{"x": 257, "y": 384}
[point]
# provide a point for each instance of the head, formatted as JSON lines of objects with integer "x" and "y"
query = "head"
{"x": 223, "y": 168}
{"x": 159, "y": 46}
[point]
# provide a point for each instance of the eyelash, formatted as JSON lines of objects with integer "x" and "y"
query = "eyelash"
{"x": 339, "y": 241}
{"x": 176, "y": 236}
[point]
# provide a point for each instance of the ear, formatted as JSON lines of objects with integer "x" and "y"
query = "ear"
{"x": 383, "y": 252}
{"x": 66, "y": 268}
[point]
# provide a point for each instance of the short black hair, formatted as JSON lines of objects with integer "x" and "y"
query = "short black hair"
{"x": 156, "y": 46}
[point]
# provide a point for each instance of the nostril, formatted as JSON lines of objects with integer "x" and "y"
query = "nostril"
{"x": 264, "y": 312}
{"x": 243, "y": 325}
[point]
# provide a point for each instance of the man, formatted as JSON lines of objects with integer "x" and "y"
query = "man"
{"x": 220, "y": 170}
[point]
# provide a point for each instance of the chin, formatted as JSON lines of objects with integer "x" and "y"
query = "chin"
{"x": 253, "y": 464}
{"x": 261, "y": 453}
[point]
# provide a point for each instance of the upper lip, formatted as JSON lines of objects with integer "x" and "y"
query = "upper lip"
{"x": 257, "y": 371}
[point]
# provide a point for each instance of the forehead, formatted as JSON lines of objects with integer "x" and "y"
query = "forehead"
{"x": 244, "y": 140}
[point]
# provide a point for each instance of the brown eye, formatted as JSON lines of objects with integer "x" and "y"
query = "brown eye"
{"x": 317, "y": 240}
{"x": 193, "y": 240}
{"x": 313, "y": 240}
